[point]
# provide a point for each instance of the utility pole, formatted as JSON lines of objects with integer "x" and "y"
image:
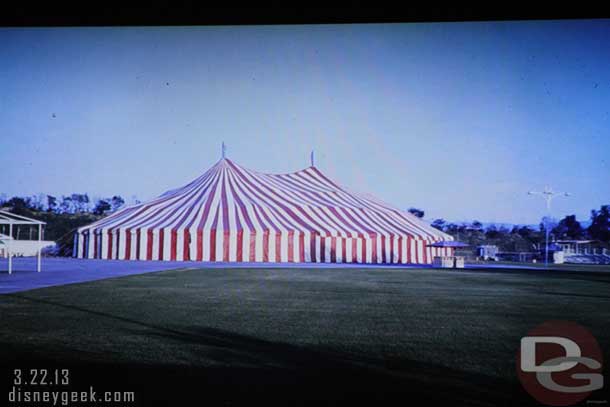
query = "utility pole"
{"x": 548, "y": 194}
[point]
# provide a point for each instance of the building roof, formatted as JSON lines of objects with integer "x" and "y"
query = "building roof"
{"x": 8, "y": 218}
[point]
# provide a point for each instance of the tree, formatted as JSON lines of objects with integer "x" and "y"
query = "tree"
{"x": 525, "y": 232}
{"x": 35, "y": 202}
{"x": 101, "y": 207}
{"x": 503, "y": 230}
{"x": 600, "y": 224}
{"x": 451, "y": 228}
{"x": 18, "y": 205}
{"x": 66, "y": 205}
{"x": 492, "y": 232}
{"x": 476, "y": 225}
{"x": 569, "y": 228}
{"x": 80, "y": 202}
{"x": 439, "y": 224}
{"x": 417, "y": 212}
{"x": 547, "y": 222}
{"x": 116, "y": 202}
{"x": 51, "y": 203}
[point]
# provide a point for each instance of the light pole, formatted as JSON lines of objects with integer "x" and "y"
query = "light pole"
{"x": 548, "y": 194}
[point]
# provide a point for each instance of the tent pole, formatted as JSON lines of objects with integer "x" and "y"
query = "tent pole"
{"x": 39, "y": 247}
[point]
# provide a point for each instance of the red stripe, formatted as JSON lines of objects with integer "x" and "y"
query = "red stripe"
{"x": 213, "y": 244}
{"x": 94, "y": 245}
{"x": 199, "y": 244}
{"x": 225, "y": 245}
{"x": 333, "y": 249}
{"x": 354, "y": 251}
{"x": 291, "y": 246}
{"x": 343, "y": 250}
{"x": 109, "y": 245}
{"x": 301, "y": 247}
{"x": 240, "y": 242}
{"x": 138, "y": 244}
{"x": 186, "y": 249}
{"x": 323, "y": 249}
{"x": 173, "y": 244}
{"x": 266, "y": 246}
{"x": 312, "y": 247}
{"x": 149, "y": 245}
{"x": 128, "y": 244}
{"x": 161, "y": 236}
{"x": 383, "y": 254}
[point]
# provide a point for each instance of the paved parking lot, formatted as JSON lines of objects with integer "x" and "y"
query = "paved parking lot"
{"x": 60, "y": 271}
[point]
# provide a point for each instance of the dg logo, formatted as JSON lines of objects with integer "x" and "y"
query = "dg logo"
{"x": 559, "y": 363}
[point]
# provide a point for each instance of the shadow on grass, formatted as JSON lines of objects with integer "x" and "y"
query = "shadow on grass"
{"x": 590, "y": 276}
{"x": 246, "y": 369}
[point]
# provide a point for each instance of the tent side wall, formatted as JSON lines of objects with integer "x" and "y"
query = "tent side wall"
{"x": 246, "y": 246}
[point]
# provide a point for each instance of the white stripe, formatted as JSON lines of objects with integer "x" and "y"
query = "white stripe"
{"x": 258, "y": 253}
{"x": 284, "y": 247}
{"x": 155, "y": 247}
{"x": 339, "y": 250}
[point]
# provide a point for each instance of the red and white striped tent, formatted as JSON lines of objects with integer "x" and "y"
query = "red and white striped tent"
{"x": 233, "y": 214}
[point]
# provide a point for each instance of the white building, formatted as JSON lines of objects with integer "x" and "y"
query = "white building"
{"x": 11, "y": 247}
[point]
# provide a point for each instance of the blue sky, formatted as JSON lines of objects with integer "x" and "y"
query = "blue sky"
{"x": 459, "y": 119}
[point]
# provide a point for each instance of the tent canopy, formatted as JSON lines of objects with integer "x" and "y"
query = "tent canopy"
{"x": 231, "y": 213}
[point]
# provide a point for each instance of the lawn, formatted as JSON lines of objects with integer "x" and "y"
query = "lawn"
{"x": 298, "y": 336}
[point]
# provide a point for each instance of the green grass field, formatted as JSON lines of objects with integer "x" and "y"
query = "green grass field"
{"x": 299, "y": 336}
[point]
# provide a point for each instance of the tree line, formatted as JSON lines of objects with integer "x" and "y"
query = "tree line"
{"x": 68, "y": 204}
{"x": 523, "y": 237}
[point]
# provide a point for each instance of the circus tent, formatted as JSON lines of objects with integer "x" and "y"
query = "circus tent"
{"x": 233, "y": 214}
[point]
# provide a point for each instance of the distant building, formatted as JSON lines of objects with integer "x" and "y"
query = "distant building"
{"x": 576, "y": 247}
{"x": 21, "y": 248}
{"x": 584, "y": 251}
{"x": 488, "y": 252}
